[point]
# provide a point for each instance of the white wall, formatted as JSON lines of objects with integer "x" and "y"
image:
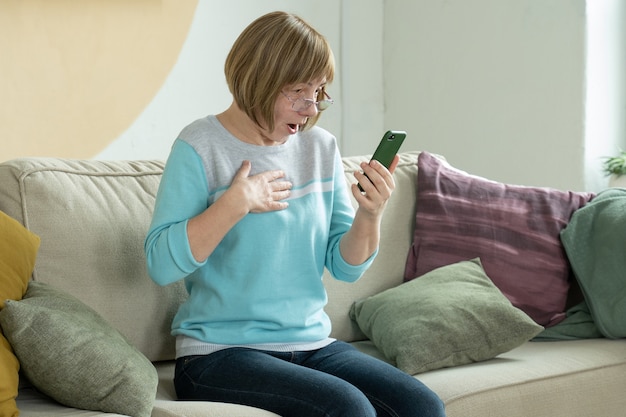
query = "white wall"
{"x": 362, "y": 74}
{"x": 497, "y": 86}
{"x": 196, "y": 86}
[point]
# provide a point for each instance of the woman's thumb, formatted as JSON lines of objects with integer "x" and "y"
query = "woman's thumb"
{"x": 244, "y": 171}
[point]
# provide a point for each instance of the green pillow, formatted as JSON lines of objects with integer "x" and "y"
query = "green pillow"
{"x": 594, "y": 241}
{"x": 577, "y": 325}
{"x": 451, "y": 316}
{"x": 73, "y": 355}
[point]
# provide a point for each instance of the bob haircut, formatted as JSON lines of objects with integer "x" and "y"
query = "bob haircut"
{"x": 277, "y": 50}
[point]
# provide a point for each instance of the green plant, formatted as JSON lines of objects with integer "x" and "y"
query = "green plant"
{"x": 615, "y": 165}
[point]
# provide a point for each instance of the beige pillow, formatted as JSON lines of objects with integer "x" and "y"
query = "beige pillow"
{"x": 451, "y": 316}
{"x": 73, "y": 355}
{"x": 18, "y": 250}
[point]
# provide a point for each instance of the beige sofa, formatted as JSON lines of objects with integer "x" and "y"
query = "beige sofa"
{"x": 92, "y": 217}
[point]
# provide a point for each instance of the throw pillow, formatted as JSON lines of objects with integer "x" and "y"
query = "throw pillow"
{"x": 594, "y": 241}
{"x": 453, "y": 315}
{"x": 577, "y": 325}
{"x": 513, "y": 229}
{"x": 18, "y": 250}
{"x": 73, "y": 355}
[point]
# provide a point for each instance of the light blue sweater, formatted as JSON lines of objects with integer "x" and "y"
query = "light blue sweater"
{"x": 262, "y": 284}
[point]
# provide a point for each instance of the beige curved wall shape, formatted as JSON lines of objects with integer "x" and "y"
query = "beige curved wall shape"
{"x": 75, "y": 74}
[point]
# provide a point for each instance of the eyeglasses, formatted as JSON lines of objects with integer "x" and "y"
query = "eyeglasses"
{"x": 302, "y": 104}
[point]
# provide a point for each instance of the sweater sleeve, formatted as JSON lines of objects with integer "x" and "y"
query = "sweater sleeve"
{"x": 341, "y": 221}
{"x": 183, "y": 194}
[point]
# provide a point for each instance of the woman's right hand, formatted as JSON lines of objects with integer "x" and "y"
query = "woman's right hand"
{"x": 262, "y": 192}
{"x": 247, "y": 194}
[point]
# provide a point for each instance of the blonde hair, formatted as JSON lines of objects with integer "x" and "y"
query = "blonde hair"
{"x": 276, "y": 50}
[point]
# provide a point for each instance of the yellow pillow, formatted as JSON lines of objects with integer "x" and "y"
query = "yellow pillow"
{"x": 18, "y": 250}
{"x": 10, "y": 367}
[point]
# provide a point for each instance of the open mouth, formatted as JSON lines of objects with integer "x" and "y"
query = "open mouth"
{"x": 293, "y": 127}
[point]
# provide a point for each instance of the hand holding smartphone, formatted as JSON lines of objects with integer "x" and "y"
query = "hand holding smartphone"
{"x": 388, "y": 148}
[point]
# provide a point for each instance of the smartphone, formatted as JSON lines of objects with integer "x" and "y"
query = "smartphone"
{"x": 388, "y": 148}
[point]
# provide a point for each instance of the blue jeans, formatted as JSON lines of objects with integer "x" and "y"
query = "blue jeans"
{"x": 337, "y": 381}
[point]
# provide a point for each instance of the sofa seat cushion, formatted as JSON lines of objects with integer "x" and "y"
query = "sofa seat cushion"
{"x": 32, "y": 403}
{"x": 166, "y": 404}
{"x": 542, "y": 379}
{"x": 539, "y": 379}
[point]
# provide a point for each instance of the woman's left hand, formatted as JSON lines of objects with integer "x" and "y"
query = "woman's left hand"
{"x": 378, "y": 185}
{"x": 360, "y": 242}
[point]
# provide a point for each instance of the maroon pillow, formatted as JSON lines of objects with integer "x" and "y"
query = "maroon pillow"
{"x": 513, "y": 229}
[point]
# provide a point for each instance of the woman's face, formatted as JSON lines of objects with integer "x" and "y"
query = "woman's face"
{"x": 294, "y": 105}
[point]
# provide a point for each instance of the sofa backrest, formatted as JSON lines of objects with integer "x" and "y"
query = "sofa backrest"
{"x": 92, "y": 217}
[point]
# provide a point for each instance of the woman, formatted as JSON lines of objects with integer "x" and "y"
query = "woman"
{"x": 252, "y": 207}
